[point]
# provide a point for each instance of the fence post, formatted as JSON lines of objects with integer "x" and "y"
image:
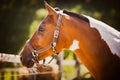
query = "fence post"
{"x": 78, "y": 69}
{"x": 12, "y": 75}
{"x": 2, "y": 75}
{"x": 59, "y": 62}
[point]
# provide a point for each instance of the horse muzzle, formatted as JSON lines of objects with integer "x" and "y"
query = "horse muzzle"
{"x": 26, "y": 59}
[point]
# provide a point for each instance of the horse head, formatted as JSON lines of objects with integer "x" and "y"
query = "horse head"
{"x": 43, "y": 41}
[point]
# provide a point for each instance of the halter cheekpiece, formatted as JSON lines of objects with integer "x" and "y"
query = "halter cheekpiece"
{"x": 51, "y": 45}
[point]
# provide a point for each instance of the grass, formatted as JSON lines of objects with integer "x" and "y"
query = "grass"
{"x": 69, "y": 72}
{"x": 9, "y": 75}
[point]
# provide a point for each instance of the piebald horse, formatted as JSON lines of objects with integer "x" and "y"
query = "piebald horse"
{"x": 96, "y": 44}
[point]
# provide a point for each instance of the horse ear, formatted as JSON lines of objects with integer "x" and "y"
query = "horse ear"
{"x": 50, "y": 9}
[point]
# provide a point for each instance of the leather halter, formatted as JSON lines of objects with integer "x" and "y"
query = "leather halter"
{"x": 52, "y": 45}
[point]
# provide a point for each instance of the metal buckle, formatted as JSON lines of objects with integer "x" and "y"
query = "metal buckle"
{"x": 35, "y": 56}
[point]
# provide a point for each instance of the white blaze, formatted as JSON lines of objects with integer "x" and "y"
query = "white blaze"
{"x": 75, "y": 45}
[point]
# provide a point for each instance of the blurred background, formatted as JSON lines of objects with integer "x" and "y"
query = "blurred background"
{"x": 20, "y": 18}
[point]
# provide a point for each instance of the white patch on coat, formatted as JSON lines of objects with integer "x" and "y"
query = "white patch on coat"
{"x": 75, "y": 45}
{"x": 109, "y": 34}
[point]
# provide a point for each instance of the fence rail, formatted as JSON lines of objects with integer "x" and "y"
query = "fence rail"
{"x": 16, "y": 59}
{"x": 32, "y": 71}
{"x": 23, "y": 73}
{"x": 9, "y": 58}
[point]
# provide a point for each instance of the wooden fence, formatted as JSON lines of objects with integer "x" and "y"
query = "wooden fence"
{"x": 18, "y": 72}
{"x": 48, "y": 72}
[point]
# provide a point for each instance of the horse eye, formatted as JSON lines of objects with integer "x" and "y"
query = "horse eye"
{"x": 41, "y": 29}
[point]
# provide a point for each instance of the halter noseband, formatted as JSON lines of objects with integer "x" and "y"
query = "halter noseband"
{"x": 52, "y": 45}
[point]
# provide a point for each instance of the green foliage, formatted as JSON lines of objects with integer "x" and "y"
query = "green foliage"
{"x": 68, "y": 54}
{"x": 14, "y": 29}
{"x": 69, "y": 72}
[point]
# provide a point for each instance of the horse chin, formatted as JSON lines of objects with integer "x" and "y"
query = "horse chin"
{"x": 28, "y": 64}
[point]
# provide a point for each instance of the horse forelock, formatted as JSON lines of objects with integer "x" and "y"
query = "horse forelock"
{"x": 108, "y": 34}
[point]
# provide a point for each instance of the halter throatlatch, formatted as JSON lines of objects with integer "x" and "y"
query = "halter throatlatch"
{"x": 35, "y": 53}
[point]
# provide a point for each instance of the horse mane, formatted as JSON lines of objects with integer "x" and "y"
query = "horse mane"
{"x": 76, "y": 15}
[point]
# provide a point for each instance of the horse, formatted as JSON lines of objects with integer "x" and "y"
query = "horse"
{"x": 96, "y": 44}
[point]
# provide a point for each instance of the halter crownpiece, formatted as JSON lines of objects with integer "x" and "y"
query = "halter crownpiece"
{"x": 51, "y": 45}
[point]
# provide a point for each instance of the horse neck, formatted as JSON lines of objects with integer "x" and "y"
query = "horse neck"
{"x": 73, "y": 28}
{"x": 94, "y": 53}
